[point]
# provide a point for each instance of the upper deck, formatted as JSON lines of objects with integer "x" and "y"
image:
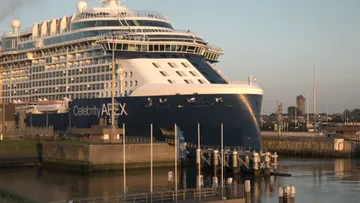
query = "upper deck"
{"x": 93, "y": 22}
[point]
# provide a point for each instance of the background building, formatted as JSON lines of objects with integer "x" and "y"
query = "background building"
{"x": 300, "y": 104}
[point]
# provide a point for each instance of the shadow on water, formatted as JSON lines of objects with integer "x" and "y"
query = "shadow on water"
{"x": 316, "y": 180}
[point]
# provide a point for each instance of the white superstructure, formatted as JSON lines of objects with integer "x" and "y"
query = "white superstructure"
{"x": 71, "y": 57}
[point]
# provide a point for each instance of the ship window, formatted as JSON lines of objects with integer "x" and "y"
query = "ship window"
{"x": 163, "y": 73}
{"x": 125, "y": 93}
{"x": 156, "y": 65}
{"x": 193, "y": 73}
{"x": 131, "y": 74}
{"x": 180, "y": 73}
{"x": 136, "y": 83}
{"x": 172, "y": 65}
{"x": 126, "y": 83}
{"x": 188, "y": 81}
{"x": 131, "y": 83}
{"x": 171, "y": 81}
{"x": 201, "y": 81}
{"x": 185, "y": 65}
{"x": 219, "y": 99}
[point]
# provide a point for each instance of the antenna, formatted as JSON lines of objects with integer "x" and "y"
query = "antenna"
{"x": 308, "y": 110}
{"x": 314, "y": 89}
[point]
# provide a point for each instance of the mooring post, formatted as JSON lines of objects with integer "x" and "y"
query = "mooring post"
{"x": 247, "y": 191}
{"x": 216, "y": 162}
{"x": 235, "y": 162}
{"x": 286, "y": 194}
{"x": 268, "y": 164}
{"x": 256, "y": 164}
{"x": 292, "y": 194}
{"x": 215, "y": 182}
{"x": 281, "y": 194}
{"x": 247, "y": 162}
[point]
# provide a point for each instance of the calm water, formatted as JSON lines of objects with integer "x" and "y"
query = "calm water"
{"x": 315, "y": 181}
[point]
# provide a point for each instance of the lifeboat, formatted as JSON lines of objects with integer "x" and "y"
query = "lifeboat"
{"x": 49, "y": 106}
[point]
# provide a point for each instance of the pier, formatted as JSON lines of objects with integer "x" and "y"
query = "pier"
{"x": 312, "y": 146}
{"x": 237, "y": 159}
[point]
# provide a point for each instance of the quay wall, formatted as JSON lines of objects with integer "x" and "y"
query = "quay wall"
{"x": 297, "y": 134}
{"x": 310, "y": 146}
{"x": 104, "y": 157}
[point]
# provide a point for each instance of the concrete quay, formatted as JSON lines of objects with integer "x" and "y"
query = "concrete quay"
{"x": 311, "y": 146}
{"x": 87, "y": 158}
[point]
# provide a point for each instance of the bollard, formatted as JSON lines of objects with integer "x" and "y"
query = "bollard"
{"x": 256, "y": 164}
{"x": 200, "y": 181}
{"x": 235, "y": 188}
{"x": 268, "y": 164}
{"x": 215, "y": 182}
{"x": 235, "y": 163}
{"x": 235, "y": 159}
{"x": 247, "y": 161}
{"x": 281, "y": 194}
{"x": 229, "y": 181}
{"x": 292, "y": 194}
{"x": 247, "y": 191}
{"x": 288, "y": 189}
{"x": 198, "y": 165}
{"x": 216, "y": 161}
{"x": 198, "y": 157}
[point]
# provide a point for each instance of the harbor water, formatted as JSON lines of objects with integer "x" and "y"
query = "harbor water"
{"x": 316, "y": 180}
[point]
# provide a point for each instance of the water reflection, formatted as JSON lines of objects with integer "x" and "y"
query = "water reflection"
{"x": 316, "y": 180}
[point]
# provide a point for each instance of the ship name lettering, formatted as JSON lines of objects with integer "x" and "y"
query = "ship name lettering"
{"x": 105, "y": 110}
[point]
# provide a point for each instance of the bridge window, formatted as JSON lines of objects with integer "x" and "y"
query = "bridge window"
{"x": 116, "y": 23}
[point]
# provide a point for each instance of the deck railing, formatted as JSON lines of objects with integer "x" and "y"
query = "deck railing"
{"x": 205, "y": 194}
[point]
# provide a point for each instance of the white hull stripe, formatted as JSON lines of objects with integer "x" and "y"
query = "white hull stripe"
{"x": 186, "y": 89}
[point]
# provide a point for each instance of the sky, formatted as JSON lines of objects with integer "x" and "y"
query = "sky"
{"x": 277, "y": 41}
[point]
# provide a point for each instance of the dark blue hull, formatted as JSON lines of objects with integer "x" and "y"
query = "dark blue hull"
{"x": 240, "y": 115}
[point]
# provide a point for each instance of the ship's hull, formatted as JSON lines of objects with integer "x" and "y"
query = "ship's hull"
{"x": 240, "y": 115}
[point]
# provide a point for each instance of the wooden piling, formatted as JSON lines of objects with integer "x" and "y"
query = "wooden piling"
{"x": 247, "y": 191}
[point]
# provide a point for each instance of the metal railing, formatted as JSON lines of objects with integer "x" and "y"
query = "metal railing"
{"x": 122, "y": 15}
{"x": 205, "y": 194}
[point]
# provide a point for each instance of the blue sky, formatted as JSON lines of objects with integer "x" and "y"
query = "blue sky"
{"x": 277, "y": 41}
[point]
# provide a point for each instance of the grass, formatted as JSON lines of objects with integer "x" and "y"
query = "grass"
{"x": 18, "y": 146}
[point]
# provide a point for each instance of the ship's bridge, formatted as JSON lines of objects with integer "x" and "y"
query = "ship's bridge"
{"x": 114, "y": 14}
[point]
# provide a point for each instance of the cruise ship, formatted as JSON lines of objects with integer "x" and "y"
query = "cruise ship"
{"x": 68, "y": 68}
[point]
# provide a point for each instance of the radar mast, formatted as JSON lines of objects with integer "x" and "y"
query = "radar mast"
{"x": 107, "y": 3}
